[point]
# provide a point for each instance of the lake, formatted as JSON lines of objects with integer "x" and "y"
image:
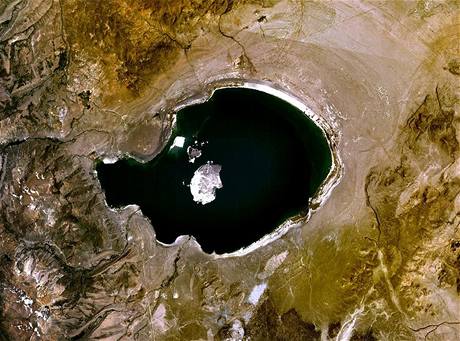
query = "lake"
{"x": 234, "y": 169}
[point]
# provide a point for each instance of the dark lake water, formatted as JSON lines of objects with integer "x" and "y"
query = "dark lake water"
{"x": 268, "y": 157}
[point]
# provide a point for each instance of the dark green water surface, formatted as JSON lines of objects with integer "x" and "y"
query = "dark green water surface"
{"x": 273, "y": 160}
